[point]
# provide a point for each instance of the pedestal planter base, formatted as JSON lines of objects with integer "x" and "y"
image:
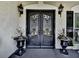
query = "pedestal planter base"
{"x": 20, "y": 52}
{"x": 64, "y": 45}
{"x": 64, "y": 51}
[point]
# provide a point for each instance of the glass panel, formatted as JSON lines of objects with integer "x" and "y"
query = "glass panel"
{"x": 76, "y": 28}
{"x": 76, "y": 36}
{"x": 76, "y": 20}
{"x": 34, "y": 24}
{"x": 47, "y": 24}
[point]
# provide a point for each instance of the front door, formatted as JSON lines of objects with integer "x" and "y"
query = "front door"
{"x": 40, "y": 28}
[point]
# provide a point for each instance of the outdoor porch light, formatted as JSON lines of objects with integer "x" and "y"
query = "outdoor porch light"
{"x": 20, "y": 9}
{"x": 60, "y": 9}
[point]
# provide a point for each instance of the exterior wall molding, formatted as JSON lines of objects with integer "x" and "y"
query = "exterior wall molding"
{"x": 43, "y": 7}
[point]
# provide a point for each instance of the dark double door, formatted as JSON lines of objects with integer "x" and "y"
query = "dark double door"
{"x": 40, "y": 28}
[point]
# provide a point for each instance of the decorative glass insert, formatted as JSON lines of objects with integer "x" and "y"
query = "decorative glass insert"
{"x": 76, "y": 20}
{"x": 34, "y": 24}
{"x": 47, "y": 24}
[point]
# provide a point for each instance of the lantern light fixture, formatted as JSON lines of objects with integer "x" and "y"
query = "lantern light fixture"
{"x": 60, "y": 9}
{"x": 20, "y": 9}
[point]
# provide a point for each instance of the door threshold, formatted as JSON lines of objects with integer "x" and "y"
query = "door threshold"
{"x": 38, "y": 47}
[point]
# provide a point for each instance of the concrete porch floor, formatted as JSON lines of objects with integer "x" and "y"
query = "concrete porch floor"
{"x": 47, "y": 53}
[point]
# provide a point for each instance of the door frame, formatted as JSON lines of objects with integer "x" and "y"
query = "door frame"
{"x": 28, "y": 22}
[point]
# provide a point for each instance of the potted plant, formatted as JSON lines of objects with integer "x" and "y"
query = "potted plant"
{"x": 64, "y": 42}
{"x": 20, "y": 39}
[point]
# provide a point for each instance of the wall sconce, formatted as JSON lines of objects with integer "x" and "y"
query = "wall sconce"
{"x": 60, "y": 9}
{"x": 20, "y": 9}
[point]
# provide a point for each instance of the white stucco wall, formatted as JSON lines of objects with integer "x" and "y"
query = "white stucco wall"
{"x": 9, "y": 21}
{"x": 8, "y": 24}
